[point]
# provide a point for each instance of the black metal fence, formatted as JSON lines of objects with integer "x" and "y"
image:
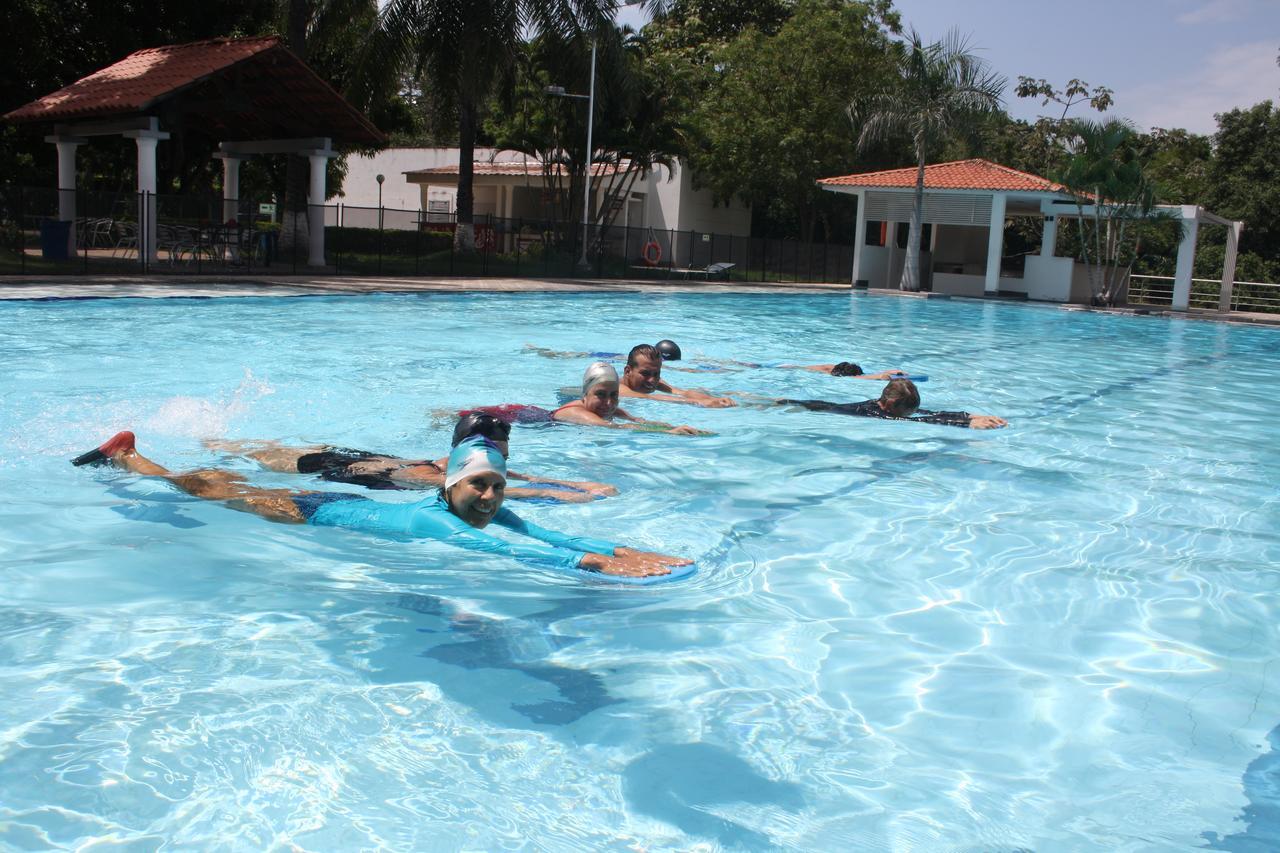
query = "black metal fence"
{"x": 137, "y": 233}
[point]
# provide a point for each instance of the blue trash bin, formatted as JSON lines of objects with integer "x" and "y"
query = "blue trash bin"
{"x": 55, "y": 236}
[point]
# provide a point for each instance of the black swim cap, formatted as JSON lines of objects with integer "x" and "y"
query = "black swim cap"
{"x": 846, "y": 368}
{"x": 480, "y": 423}
{"x": 668, "y": 350}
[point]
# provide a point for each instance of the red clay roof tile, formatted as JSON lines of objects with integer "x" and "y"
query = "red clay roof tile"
{"x": 974, "y": 174}
{"x": 137, "y": 81}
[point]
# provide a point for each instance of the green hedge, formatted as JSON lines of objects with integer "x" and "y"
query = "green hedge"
{"x": 366, "y": 241}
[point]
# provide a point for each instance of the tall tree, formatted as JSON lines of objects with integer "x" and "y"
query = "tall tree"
{"x": 1115, "y": 201}
{"x": 938, "y": 88}
{"x": 464, "y": 47}
{"x": 635, "y": 129}
{"x": 774, "y": 119}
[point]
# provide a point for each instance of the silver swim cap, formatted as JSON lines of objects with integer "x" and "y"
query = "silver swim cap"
{"x": 598, "y": 372}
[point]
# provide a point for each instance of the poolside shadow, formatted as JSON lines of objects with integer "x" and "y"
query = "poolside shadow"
{"x": 676, "y": 784}
{"x": 1262, "y": 815}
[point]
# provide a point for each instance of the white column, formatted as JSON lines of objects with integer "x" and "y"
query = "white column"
{"x": 230, "y": 186}
{"x": 995, "y": 244}
{"x": 1186, "y": 258}
{"x": 1049, "y": 242}
{"x": 315, "y": 210}
{"x": 891, "y": 256}
{"x": 1229, "y": 266}
{"x": 859, "y": 238}
{"x": 146, "y": 195}
{"x": 67, "y": 182}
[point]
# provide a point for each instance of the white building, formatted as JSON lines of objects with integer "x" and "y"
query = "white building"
{"x": 509, "y": 185}
{"x": 966, "y": 206}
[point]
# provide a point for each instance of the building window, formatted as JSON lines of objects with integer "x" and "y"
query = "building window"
{"x": 904, "y": 232}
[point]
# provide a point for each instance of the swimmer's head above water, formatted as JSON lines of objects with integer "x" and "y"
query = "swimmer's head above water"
{"x": 600, "y": 390}
{"x": 643, "y": 372}
{"x": 485, "y": 425}
{"x": 476, "y": 480}
{"x": 900, "y": 398}
{"x": 668, "y": 350}
{"x": 846, "y": 368}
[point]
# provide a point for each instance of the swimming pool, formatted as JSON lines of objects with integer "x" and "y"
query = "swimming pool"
{"x": 1057, "y": 636}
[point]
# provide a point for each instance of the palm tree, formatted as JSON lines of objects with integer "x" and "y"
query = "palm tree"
{"x": 464, "y": 48}
{"x": 1108, "y": 177}
{"x": 938, "y": 87}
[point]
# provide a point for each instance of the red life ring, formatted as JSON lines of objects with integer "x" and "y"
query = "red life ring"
{"x": 652, "y": 253}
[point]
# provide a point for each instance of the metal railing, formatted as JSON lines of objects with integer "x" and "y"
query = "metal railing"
{"x": 111, "y": 233}
{"x": 1157, "y": 290}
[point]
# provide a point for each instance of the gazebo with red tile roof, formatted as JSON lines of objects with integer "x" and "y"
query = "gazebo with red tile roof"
{"x": 963, "y": 198}
{"x": 252, "y": 94}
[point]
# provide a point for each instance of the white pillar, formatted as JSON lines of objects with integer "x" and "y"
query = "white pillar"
{"x": 859, "y": 238}
{"x": 1229, "y": 266}
{"x": 315, "y": 209}
{"x": 1049, "y": 242}
{"x": 1186, "y": 258}
{"x": 230, "y": 186}
{"x": 67, "y": 182}
{"x": 995, "y": 244}
{"x": 147, "y": 193}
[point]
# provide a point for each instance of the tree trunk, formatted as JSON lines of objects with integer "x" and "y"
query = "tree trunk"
{"x": 911, "y": 264}
{"x": 295, "y": 230}
{"x": 464, "y": 236}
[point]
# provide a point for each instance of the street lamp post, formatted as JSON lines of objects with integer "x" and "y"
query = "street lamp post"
{"x": 590, "y": 98}
{"x": 559, "y": 92}
{"x": 379, "y": 179}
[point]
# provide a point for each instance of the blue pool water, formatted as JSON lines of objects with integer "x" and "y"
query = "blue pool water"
{"x": 1058, "y": 636}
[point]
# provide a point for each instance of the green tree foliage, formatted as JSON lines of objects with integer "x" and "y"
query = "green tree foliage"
{"x": 64, "y": 40}
{"x": 939, "y": 88}
{"x": 775, "y": 119}
{"x": 635, "y": 129}
{"x": 1243, "y": 181}
{"x": 466, "y": 49}
{"x": 56, "y": 42}
{"x": 1115, "y": 200}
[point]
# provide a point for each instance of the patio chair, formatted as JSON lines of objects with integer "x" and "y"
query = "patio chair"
{"x": 126, "y": 237}
{"x": 721, "y": 269}
{"x": 177, "y": 240}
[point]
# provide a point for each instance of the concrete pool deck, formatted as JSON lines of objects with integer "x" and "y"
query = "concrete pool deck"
{"x": 213, "y": 286}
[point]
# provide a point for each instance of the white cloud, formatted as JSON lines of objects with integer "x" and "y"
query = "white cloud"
{"x": 1215, "y": 12}
{"x": 1236, "y": 76}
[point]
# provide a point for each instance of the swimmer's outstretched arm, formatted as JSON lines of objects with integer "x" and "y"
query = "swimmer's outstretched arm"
{"x": 551, "y": 353}
{"x": 578, "y": 415}
{"x": 688, "y": 397}
{"x": 826, "y": 368}
{"x": 600, "y": 489}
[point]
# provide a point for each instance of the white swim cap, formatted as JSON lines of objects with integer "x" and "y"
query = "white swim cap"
{"x": 475, "y": 455}
{"x": 598, "y": 372}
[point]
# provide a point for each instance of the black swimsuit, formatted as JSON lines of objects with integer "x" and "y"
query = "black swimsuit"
{"x": 335, "y": 465}
{"x": 871, "y": 409}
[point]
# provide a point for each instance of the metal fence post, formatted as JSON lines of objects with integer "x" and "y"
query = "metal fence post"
{"x": 22, "y": 232}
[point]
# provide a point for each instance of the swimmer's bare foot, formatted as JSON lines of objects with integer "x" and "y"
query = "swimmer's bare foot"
{"x": 103, "y": 454}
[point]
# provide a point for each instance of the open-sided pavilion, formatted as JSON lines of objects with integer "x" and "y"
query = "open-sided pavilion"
{"x": 966, "y": 204}
{"x": 252, "y": 95}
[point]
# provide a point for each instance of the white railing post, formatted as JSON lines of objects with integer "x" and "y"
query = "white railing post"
{"x": 1229, "y": 266}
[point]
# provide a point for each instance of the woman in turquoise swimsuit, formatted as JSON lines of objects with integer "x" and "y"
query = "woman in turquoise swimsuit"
{"x": 470, "y": 500}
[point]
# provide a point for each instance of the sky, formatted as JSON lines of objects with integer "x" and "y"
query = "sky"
{"x": 1171, "y": 63}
